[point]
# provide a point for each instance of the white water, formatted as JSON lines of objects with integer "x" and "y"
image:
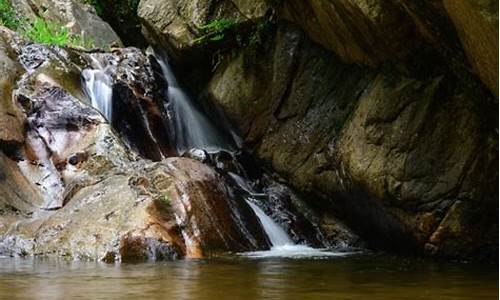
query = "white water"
{"x": 277, "y": 236}
{"x": 98, "y": 86}
{"x": 192, "y": 128}
{"x": 282, "y": 245}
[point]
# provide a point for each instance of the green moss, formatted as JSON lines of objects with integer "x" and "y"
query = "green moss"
{"x": 164, "y": 200}
{"x": 8, "y": 15}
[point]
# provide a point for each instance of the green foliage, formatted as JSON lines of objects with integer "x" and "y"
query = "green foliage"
{"x": 50, "y": 33}
{"x": 215, "y": 30}
{"x": 41, "y": 31}
{"x": 8, "y": 15}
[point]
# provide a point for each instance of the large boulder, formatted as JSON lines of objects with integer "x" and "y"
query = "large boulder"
{"x": 11, "y": 118}
{"x": 477, "y": 25}
{"x": 79, "y": 18}
{"x": 371, "y": 32}
{"x": 359, "y": 31}
{"x": 176, "y": 25}
{"x": 396, "y": 152}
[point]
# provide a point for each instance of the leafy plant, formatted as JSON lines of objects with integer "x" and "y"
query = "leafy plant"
{"x": 215, "y": 30}
{"x": 8, "y": 15}
{"x": 50, "y": 33}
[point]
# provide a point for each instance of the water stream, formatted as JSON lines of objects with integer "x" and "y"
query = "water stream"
{"x": 192, "y": 129}
{"x": 98, "y": 87}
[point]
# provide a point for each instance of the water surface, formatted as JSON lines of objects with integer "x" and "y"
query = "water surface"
{"x": 342, "y": 277}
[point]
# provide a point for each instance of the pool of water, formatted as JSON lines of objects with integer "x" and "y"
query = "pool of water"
{"x": 358, "y": 276}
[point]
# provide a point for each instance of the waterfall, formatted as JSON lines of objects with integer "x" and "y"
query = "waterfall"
{"x": 192, "y": 129}
{"x": 98, "y": 86}
{"x": 282, "y": 244}
{"x": 277, "y": 236}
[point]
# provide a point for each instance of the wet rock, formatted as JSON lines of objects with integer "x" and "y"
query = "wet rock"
{"x": 211, "y": 220}
{"x": 140, "y": 94}
{"x": 371, "y": 146}
{"x": 84, "y": 194}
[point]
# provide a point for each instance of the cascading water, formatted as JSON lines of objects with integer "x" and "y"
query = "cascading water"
{"x": 277, "y": 236}
{"x": 282, "y": 244}
{"x": 98, "y": 86}
{"x": 192, "y": 128}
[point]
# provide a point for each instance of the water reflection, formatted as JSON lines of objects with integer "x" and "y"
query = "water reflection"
{"x": 358, "y": 277}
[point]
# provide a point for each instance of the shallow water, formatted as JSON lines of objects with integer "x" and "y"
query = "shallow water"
{"x": 348, "y": 277}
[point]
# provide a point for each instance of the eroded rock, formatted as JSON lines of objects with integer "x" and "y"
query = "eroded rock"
{"x": 85, "y": 194}
{"x": 387, "y": 150}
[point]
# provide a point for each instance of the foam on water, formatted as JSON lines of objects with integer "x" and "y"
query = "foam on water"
{"x": 282, "y": 244}
{"x": 295, "y": 251}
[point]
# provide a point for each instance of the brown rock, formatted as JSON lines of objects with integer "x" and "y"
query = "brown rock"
{"x": 477, "y": 25}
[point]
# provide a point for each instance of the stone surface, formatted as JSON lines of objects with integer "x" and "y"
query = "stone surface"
{"x": 11, "y": 119}
{"x": 359, "y": 31}
{"x": 389, "y": 150}
{"x": 175, "y": 25}
{"x": 371, "y": 32}
{"x": 477, "y": 25}
{"x": 74, "y": 189}
{"x": 79, "y": 18}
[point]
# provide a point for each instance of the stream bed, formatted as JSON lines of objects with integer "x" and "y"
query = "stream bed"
{"x": 356, "y": 276}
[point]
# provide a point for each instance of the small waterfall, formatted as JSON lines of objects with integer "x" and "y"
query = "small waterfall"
{"x": 98, "y": 86}
{"x": 277, "y": 236}
{"x": 282, "y": 244}
{"x": 192, "y": 129}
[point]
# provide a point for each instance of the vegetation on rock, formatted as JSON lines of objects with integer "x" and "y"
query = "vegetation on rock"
{"x": 8, "y": 15}
{"x": 41, "y": 31}
{"x": 50, "y": 33}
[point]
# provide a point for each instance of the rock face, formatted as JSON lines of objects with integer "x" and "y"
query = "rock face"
{"x": 366, "y": 31}
{"x": 396, "y": 151}
{"x": 371, "y": 32}
{"x": 78, "y": 17}
{"x": 477, "y": 26}
{"x": 10, "y": 116}
{"x": 72, "y": 188}
{"x": 176, "y": 24}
